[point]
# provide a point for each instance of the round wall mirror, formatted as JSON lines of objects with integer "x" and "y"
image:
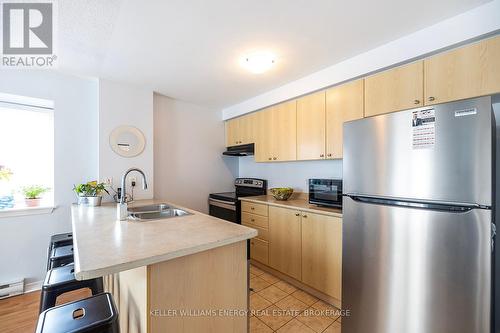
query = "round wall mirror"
{"x": 127, "y": 141}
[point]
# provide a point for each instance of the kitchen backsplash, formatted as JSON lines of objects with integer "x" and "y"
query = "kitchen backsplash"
{"x": 292, "y": 174}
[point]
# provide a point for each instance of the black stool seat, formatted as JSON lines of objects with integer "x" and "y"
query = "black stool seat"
{"x": 58, "y": 241}
{"x": 61, "y": 280}
{"x": 61, "y": 240}
{"x": 91, "y": 315}
{"x": 60, "y": 256}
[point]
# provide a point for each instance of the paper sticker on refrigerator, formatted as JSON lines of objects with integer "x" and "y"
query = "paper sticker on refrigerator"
{"x": 424, "y": 131}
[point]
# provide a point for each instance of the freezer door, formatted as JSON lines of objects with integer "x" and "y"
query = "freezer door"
{"x": 380, "y": 158}
{"x": 413, "y": 270}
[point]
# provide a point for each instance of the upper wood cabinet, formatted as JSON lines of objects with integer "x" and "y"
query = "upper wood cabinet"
{"x": 469, "y": 71}
{"x": 241, "y": 130}
{"x": 395, "y": 89}
{"x": 311, "y": 134}
{"x": 343, "y": 103}
{"x": 285, "y": 241}
{"x": 263, "y": 143}
{"x": 277, "y": 133}
{"x": 322, "y": 253}
{"x": 232, "y": 135}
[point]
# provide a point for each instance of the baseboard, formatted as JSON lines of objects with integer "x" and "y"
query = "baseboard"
{"x": 33, "y": 286}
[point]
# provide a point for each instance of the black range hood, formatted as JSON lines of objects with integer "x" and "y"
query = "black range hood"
{"x": 241, "y": 150}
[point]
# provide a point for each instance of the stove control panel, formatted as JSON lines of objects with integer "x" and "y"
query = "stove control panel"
{"x": 250, "y": 182}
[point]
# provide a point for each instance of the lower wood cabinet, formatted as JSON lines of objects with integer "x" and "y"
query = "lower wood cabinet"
{"x": 305, "y": 246}
{"x": 322, "y": 253}
{"x": 285, "y": 241}
{"x": 259, "y": 250}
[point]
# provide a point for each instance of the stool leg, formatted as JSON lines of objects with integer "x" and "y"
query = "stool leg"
{"x": 97, "y": 286}
{"x": 47, "y": 300}
{"x": 48, "y": 258}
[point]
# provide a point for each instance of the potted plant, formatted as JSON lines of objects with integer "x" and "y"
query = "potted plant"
{"x": 33, "y": 194}
{"x": 89, "y": 194}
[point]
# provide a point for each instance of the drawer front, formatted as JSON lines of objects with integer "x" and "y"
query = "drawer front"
{"x": 254, "y": 208}
{"x": 259, "y": 250}
{"x": 263, "y": 233}
{"x": 257, "y": 220}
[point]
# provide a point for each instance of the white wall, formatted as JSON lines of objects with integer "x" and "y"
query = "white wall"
{"x": 24, "y": 240}
{"x": 475, "y": 23}
{"x": 123, "y": 104}
{"x": 189, "y": 141}
{"x": 290, "y": 174}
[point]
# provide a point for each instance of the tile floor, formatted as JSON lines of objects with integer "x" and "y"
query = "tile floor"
{"x": 277, "y": 306}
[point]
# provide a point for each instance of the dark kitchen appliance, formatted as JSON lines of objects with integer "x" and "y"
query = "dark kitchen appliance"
{"x": 325, "y": 192}
{"x": 226, "y": 205}
{"x": 241, "y": 150}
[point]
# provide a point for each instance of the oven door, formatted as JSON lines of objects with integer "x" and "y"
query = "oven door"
{"x": 225, "y": 210}
{"x": 325, "y": 192}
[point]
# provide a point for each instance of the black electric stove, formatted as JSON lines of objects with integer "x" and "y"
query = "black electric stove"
{"x": 226, "y": 205}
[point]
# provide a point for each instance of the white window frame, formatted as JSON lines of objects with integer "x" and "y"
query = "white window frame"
{"x": 26, "y": 104}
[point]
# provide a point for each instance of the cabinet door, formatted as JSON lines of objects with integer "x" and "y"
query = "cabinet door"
{"x": 263, "y": 131}
{"x": 343, "y": 103}
{"x": 469, "y": 71}
{"x": 395, "y": 89}
{"x": 285, "y": 241}
{"x": 322, "y": 253}
{"x": 259, "y": 250}
{"x": 311, "y": 127}
{"x": 284, "y": 131}
{"x": 246, "y": 128}
{"x": 232, "y": 138}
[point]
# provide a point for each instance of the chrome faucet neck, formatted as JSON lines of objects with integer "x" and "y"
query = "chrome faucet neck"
{"x": 123, "y": 182}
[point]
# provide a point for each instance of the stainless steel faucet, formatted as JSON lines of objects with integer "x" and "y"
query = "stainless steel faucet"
{"x": 121, "y": 211}
{"x": 124, "y": 177}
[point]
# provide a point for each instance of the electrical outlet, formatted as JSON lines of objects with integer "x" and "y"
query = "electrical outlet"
{"x": 133, "y": 181}
{"x": 108, "y": 181}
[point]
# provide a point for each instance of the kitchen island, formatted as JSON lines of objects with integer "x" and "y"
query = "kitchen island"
{"x": 181, "y": 274}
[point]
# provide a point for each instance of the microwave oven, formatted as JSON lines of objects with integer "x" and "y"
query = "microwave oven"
{"x": 325, "y": 192}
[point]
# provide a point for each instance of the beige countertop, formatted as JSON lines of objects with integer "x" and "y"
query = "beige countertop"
{"x": 296, "y": 201}
{"x": 103, "y": 245}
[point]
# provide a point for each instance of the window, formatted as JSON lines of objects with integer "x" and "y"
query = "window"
{"x": 26, "y": 152}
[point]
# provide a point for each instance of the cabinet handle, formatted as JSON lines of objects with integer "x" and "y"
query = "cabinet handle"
{"x": 252, "y": 208}
{"x": 252, "y": 243}
{"x": 274, "y": 158}
{"x": 416, "y": 102}
{"x": 253, "y": 220}
{"x": 431, "y": 99}
{"x": 270, "y": 158}
{"x": 304, "y": 216}
{"x": 297, "y": 214}
{"x": 329, "y": 155}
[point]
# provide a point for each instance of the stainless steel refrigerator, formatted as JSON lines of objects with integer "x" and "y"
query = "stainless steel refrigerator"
{"x": 417, "y": 220}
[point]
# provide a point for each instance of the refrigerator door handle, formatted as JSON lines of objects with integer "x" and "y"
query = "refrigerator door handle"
{"x": 423, "y": 204}
{"x": 493, "y": 236}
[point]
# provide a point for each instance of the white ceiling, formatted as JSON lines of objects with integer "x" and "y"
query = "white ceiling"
{"x": 190, "y": 50}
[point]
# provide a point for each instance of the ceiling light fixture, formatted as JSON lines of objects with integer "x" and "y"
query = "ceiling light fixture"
{"x": 258, "y": 63}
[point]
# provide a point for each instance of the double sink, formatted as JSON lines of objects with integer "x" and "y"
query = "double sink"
{"x": 155, "y": 212}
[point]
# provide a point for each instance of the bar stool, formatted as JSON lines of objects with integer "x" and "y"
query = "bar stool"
{"x": 90, "y": 315}
{"x": 60, "y": 256}
{"x": 59, "y": 240}
{"x": 61, "y": 280}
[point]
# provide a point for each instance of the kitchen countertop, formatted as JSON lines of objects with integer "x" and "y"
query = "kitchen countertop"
{"x": 297, "y": 201}
{"x": 103, "y": 245}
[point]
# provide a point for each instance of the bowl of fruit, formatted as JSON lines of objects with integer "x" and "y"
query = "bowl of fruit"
{"x": 281, "y": 193}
